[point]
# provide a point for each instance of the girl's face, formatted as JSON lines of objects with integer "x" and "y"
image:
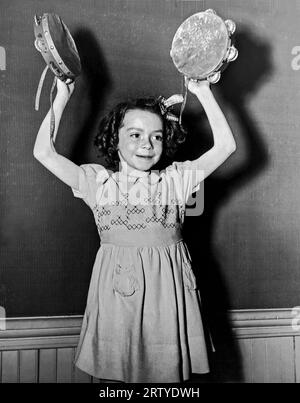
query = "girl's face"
{"x": 141, "y": 139}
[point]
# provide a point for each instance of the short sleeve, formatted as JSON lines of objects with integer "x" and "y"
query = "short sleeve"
{"x": 91, "y": 176}
{"x": 190, "y": 177}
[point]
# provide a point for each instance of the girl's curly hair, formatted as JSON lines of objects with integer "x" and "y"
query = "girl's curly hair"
{"x": 107, "y": 137}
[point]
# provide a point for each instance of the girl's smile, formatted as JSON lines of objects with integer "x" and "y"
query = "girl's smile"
{"x": 141, "y": 139}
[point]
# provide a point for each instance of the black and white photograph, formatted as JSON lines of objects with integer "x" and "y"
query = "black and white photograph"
{"x": 149, "y": 194}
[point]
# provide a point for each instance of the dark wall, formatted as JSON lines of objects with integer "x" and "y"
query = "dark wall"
{"x": 246, "y": 244}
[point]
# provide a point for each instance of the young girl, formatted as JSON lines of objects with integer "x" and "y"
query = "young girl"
{"x": 142, "y": 321}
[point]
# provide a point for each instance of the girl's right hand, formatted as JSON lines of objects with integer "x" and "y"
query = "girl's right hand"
{"x": 196, "y": 87}
{"x": 64, "y": 91}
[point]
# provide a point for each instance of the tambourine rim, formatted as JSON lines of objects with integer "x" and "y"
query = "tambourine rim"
{"x": 52, "y": 54}
{"x": 221, "y": 59}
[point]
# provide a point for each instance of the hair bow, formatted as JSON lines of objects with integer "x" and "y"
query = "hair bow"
{"x": 165, "y": 104}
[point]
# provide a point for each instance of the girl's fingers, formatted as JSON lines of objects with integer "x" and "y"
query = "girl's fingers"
{"x": 71, "y": 87}
{"x": 196, "y": 85}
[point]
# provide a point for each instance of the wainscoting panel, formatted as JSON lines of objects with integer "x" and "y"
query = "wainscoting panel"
{"x": 64, "y": 365}
{"x": 42, "y": 350}
{"x": 269, "y": 346}
{"x": 245, "y": 349}
{"x": 297, "y": 361}
{"x": 47, "y": 365}
{"x": 267, "y": 360}
{"x": 10, "y": 366}
{"x": 28, "y": 366}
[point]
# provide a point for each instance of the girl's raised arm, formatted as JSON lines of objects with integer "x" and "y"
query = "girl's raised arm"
{"x": 224, "y": 143}
{"x": 44, "y": 150}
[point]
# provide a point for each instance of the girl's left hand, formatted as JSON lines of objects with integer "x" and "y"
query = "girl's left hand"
{"x": 197, "y": 87}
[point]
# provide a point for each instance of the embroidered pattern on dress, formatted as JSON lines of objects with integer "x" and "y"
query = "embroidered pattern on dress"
{"x": 121, "y": 213}
{"x": 120, "y": 221}
{"x": 99, "y": 212}
{"x": 153, "y": 200}
{"x": 124, "y": 201}
{"x": 137, "y": 217}
{"x": 164, "y": 216}
{"x": 135, "y": 210}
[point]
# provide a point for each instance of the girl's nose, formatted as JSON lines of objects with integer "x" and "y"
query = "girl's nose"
{"x": 146, "y": 143}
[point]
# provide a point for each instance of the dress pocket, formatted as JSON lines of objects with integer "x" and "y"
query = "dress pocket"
{"x": 125, "y": 281}
{"x": 189, "y": 278}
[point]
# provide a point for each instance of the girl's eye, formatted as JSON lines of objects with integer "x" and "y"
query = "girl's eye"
{"x": 158, "y": 137}
{"x": 135, "y": 135}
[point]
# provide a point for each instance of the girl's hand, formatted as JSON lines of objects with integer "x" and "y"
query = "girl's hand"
{"x": 197, "y": 87}
{"x": 64, "y": 91}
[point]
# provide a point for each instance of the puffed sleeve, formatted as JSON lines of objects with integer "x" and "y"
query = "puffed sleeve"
{"x": 190, "y": 177}
{"x": 91, "y": 177}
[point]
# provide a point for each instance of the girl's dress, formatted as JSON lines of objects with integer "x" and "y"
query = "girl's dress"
{"x": 142, "y": 321}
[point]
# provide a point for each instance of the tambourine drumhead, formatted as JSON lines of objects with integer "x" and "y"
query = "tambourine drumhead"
{"x": 200, "y": 45}
{"x": 64, "y": 44}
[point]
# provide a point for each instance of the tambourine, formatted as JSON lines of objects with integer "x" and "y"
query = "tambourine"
{"x": 54, "y": 41}
{"x": 202, "y": 46}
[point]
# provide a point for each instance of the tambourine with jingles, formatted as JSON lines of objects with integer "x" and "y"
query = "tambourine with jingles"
{"x": 55, "y": 43}
{"x": 202, "y": 46}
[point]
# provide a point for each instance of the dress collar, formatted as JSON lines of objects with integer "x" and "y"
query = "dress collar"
{"x": 127, "y": 174}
